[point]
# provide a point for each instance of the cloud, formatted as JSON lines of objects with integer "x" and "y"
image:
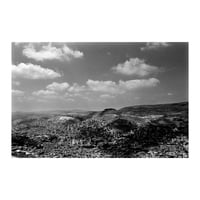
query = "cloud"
{"x": 122, "y": 86}
{"x": 135, "y": 66}
{"x": 94, "y": 89}
{"x": 111, "y": 87}
{"x": 46, "y": 53}
{"x": 77, "y": 88}
{"x": 57, "y": 86}
{"x": 30, "y": 71}
{"x": 44, "y": 93}
{"x": 60, "y": 91}
{"x": 17, "y": 93}
{"x": 138, "y": 83}
{"x": 154, "y": 45}
{"x": 49, "y": 52}
{"x": 67, "y": 53}
{"x": 104, "y": 86}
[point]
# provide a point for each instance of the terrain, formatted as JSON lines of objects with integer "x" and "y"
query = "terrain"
{"x": 145, "y": 131}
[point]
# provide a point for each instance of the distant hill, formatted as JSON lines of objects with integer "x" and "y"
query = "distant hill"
{"x": 140, "y": 113}
{"x": 130, "y": 112}
{"x": 108, "y": 111}
{"x": 154, "y": 109}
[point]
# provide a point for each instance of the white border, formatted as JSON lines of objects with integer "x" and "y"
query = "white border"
{"x": 111, "y": 21}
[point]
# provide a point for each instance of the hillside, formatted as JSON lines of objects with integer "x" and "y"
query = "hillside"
{"x": 134, "y": 131}
{"x": 155, "y": 109}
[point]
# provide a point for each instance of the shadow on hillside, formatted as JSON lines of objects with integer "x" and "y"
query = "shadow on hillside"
{"x": 142, "y": 140}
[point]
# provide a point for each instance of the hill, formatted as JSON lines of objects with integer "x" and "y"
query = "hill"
{"x": 155, "y": 109}
{"x": 134, "y": 131}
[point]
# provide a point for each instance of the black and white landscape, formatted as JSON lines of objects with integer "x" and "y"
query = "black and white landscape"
{"x": 100, "y": 100}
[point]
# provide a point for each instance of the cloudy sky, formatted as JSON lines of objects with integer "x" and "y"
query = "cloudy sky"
{"x": 94, "y": 76}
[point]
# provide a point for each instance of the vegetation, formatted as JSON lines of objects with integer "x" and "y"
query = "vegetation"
{"x": 145, "y": 131}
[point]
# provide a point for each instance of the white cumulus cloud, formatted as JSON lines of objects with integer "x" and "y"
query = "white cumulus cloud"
{"x": 57, "y": 86}
{"x": 49, "y": 52}
{"x": 135, "y": 66}
{"x": 122, "y": 86}
{"x": 30, "y": 71}
{"x": 104, "y": 86}
{"x": 67, "y": 52}
{"x": 44, "y": 93}
{"x": 77, "y": 88}
{"x": 138, "y": 83}
{"x": 100, "y": 89}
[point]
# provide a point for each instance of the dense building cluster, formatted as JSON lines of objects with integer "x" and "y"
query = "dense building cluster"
{"x": 96, "y": 137}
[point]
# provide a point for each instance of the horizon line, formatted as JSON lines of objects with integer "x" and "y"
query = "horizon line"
{"x": 37, "y": 111}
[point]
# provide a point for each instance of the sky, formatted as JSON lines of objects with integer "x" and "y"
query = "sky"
{"x": 95, "y": 76}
